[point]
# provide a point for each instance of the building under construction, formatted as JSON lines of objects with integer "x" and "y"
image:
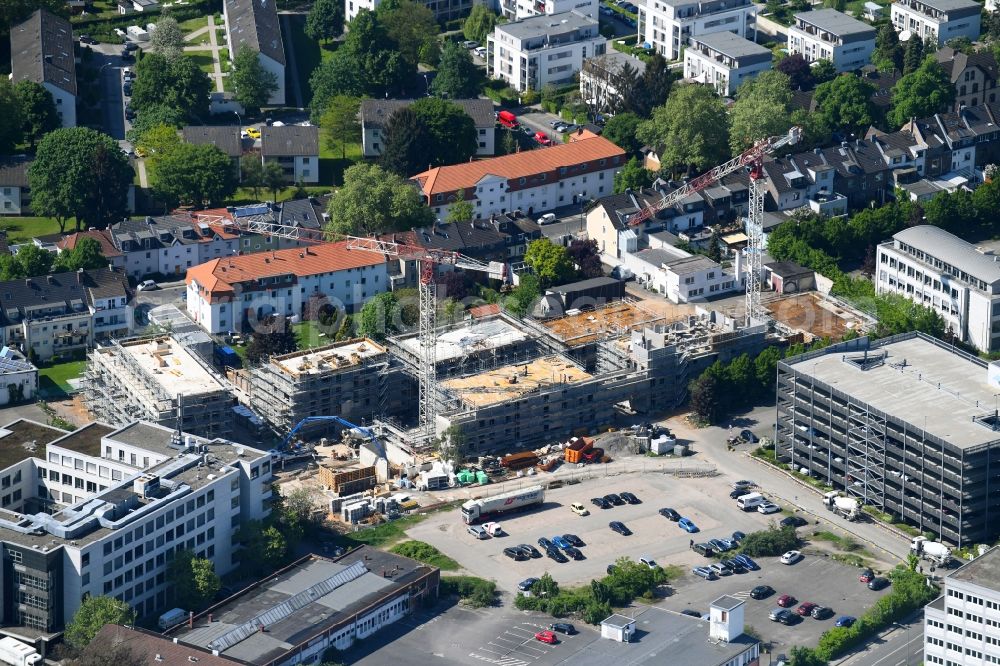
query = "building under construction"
{"x": 158, "y": 379}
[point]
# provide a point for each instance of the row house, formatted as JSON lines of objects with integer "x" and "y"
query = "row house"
{"x": 171, "y": 244}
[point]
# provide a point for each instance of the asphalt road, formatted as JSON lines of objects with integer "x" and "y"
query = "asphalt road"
{"x": 903, "y": 646}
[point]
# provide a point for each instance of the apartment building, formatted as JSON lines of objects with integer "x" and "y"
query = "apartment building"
{"x": 826, "y": 34}
{"x": 254, "y": 24}
{"x": 906, "y": 424}
{"x": 237, "y": 293}
{"x": 375, "y": 114}
{"x": 960, "y": 281}
{"x": 724, "y": 61}
{"x": 41, "y": 50}
{"x": 224, "y": 137}
{"x": 681, "y": 276}
{"x": 515, "y": 10}
{"x": 444, "y": 10}
{"x": 295, "y": 148}
{"x": 171, "y": 244}
{"x": 962, "y": 626}
{"x": 533, "y": 181}
{"x": 15, "y": 191}
{"x": 609, "y": 223}
{"x": 600, "y": 80}
{"x": 973, "y": 75}
{"x": 668, "y": 25}
{"x": 937, "y": 20}
{"x": 535, "y": 52}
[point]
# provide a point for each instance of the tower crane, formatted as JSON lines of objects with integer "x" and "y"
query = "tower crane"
{"x": 752, "y": 159}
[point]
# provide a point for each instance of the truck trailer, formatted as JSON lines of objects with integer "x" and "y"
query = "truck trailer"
{"x": 476, "y": 510}
{"x": 16, "y": 653}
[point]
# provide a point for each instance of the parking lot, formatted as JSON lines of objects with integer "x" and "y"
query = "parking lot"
{"x": 652, "y": 534}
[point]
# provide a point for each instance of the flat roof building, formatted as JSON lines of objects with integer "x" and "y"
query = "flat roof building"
{"x": 724, "y": 61}
{"x": 826, "y": 34}
{"x": 907, "y": 424}
{"x": 667, "y": 24}
{"x": 937, "y": 20}
{"x": 954, "y": 631}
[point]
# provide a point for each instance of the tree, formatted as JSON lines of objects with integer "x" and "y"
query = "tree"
{"x": 816, "y": 131}
{"x": 177, "y": 84}
{"x": 253, "y": 85}
{"x": 524, "y": 296}
{"x": 325, "y": 20}
{"x": 410, "y": 25}
{"x": 642, "y": 94}
{"x": 480, "y": 23}
{"x": 194, "y": 174}
{"x": 13, "y": 12}
{"x": 845, "y": 102}
{"x": 157, "y": 141}
{"x": 770, "y": 542}
{"x": 888, "y": 54}
{"x": 264, "y": 547}
{"x": 550, "y": 262}
{"x": 458, "y": 77}
{"x": 462, "y": 210}
{"x": 923, "y": 92}
{"x": 274, "y": 178}
{"x": 379, "y": 316}
{"x": 167, "y": 39}
{"x": 715, "y": 246}
{"x": 11, "y": 132}
{"x": 913, "y": 54}
{"x": 587, "y": 257}
{"x": 406, "y": 143}
{"x": 80, "y": 172}
{"x": 336, "y": 75}
{"x": 798, "y": 71}
{"x": 372, "y": 200}
{"x": 32, "y": 260}
{"x": 94, "y": 613}
{"x": 192, "y": 580}
{"x": 453, "y": 134}
{"x": 691, "y": 128}
{"x": 633, "y": 176}
{"x": 341, "y": 122}
{"x": 152, "y": 116}
{"x": 761, "y": 110}
{"x": 86, "y": 255}
{"x": 621, "y": 131}
{"x": 803, "y": 656}
{"x": 379, "y": 63}
{"x": 38, "y": 111}
{"x": 823, "y": 71}
{"x": 252, "y": 175}
{"x": 704, "y": 398}
{"x": 272, "y": 336}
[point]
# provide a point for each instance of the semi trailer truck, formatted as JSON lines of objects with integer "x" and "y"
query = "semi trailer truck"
{"x": 477, "y": 510}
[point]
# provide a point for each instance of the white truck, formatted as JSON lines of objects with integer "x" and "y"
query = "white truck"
{"x": 932, "y": 551}
{"x": 493, "y": 529}
{"x": 172, "y": 618}
{"x": 16, "y": 653}
{"x": 848, "y": 507}
{"x": 476, "y": 510}
{"x": 750, "y": 501}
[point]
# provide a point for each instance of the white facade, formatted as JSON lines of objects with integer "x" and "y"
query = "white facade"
{"x": 939, "y": 20}
{"x": 956, "y": 279}
{"x": 18, "y": 381}
{"x": 827, "y": 34}
{"x": 515, "y": 10}
{"x": 353, "y": 7}
{"x": 681, "y": 277}
{"x": 962, "y": 626}
{"x": 277, "y": 98}
{"x": 11, "y": 200}
{"x": 65, "y": 104}
{"x": 724, "y": 61}
{"x": 668, "y": 24}
{"x": 300, "y": 168}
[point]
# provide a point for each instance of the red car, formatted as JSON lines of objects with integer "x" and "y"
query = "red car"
{"x": 546, "y": 637}
{"x": 805, "y": 609}
{"x": 866, "y": 576}
{"x": 543, "y": 139}
{"x": 786, "y": 601}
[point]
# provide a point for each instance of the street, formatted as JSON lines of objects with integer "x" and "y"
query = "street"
{"x": 108, "y": 60}
{"x": 903, "y": 646}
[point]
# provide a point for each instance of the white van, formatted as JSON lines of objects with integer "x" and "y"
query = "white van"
{"x": 493, "y": 529}
{"x": 478, "y": 531}
{"x": 548, "y": 218}
{"x": 172, "y": 618}
{"x": 750, "y": 502}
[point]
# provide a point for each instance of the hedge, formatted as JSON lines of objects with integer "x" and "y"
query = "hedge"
{"x": 770, "y": 542}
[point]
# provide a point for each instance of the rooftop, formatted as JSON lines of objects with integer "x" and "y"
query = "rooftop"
{"x": 302, "y": 600}
{"x": 85, "y": 440}
{"x": 254, "y": 23}
{"x": 950, "y": 5}
{"x": 951, "y": 249}
{"x": 692, "y": 264}
{"x": 835, "y": 22}
{"x": 23, "y": 439}
{"x": 14, "y": 170}
{"x": 375, "y": 113}
{"x": 515, "y": 381}
{"x": 477, "y": 336}
{"x": 289, "y": 141}
{"x": 547, "y": 24}
{"x": 614, "y": 319}
{"x": 921, "y": 382}
{"x": 176, "y": 369}
{"x": 731, "y": 45}
{"x": 41, "y": 50}
{"x": 145, "y": 643}
{"x": 984, "y": 571}
{"x": 333, "y": 357}
{"x": 224, "y": 137}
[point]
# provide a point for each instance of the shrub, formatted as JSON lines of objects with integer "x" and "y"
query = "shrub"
{"x": 426, "y": 553}
{"x": 769, "y": 542}
{"x": 475, "y": 592}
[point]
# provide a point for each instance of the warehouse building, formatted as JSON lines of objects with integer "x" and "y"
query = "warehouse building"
{"x": 157, "y": 379}
{"x": 906, "y": 424}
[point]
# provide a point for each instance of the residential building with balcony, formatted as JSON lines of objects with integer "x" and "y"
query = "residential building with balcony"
{"x": 958, "y": 280}
{"x": 937, "y": 20}
{"x": 515, "y": 10}
{"x": 906, "y": 424}
{"x": 826, "y": 34}
{"x": 724, "y": 61}
{"x": 444, "y": 10}
{"x": 668, "y": 25}
{"x": 962, "y": 626}
{"x": 375, "y": 114}
{"x": 600, "y": 76}
{"x": 295, "y": 148}
{"x": 535, "y": 52}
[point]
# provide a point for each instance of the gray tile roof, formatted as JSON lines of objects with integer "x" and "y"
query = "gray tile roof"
{"x": 255, "y": 24}
{"x": 14, "y": 171}
{"x": 837, "y": 23}
{"x": 692, "y": 264}
{"x": 955, "y": 62}
{"x": 159, "y": 231}
{"x": 951, "y": 249}
{"x": 375, "y": 113}
{"x": 305, "y": 213}
{"x": 224, "y": 137}
{"x": 41, "y": 50}
{"x": 289, "y": 141}
{"x": 63, "y": 292}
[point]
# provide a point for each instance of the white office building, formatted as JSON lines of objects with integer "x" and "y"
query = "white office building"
{"x": 827, "y": 34}
{"x": 958, "y": 280}
{"x": 667, "y": 25}
{"x": 724, "y": 61}
{"x": 535, "y": 52}
{"x": 515, "y": 10}
{"x": 940, "y": 20}
{"x": 962, "y": 626}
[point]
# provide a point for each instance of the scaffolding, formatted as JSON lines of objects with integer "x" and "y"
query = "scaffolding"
{"x": 866, "y": 455}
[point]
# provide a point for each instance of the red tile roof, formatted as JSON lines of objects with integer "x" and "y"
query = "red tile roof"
{"x": 102, "y": 236}
{"x": 527, "y": 163}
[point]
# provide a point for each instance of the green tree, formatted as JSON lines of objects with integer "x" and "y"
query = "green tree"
{"x": 336, "y": 75}
{"x": 845, "y": 102}
{"x": 379, "y": 63}
{"x": 11, "y": 129}
{"x": 168, "y": 39}
{"x": 158, "y": 141}
{"x": 816, "y": 131}
{"x": 263, "y": 547}
{"x": 15, "y": 11}
{"x": 642, "y": 94}
{"x": 38, "y": 111}
{"x": 761, "y": 110}
{"x": 823, "y": 70}
{"x": 479, "y": 24}
{"x": 32, "y": 261}
{"x": 273, "y": 177}
{"x": 252, "y": 175}
{"x": 803, "y": 656}
{"x": 379, "y": 316}
{"x": 715, "y": 246}
{"x": 921, "y": 93}
{"x": 410, "y": 25}
{"x": 458, "y": 77}
{"x": 704, "y": 398}
{"x": 550, "y": 262}
{"x": 523, "y": 297}
{"x": 153, "y": 115}
{"x": 633, "y": 176}
{"x": 692, "y": 129}
{"x": 194, "y": 174}
{"x": 913, "y": 54}
{"x": 178, "y": 84}
{"x": 85, "y": 255}
{"x": 192, "y": 580}
{"x": 406, "y": 143}
{"x": 373, "y": 200}
{"x": 325, "y": 20}
{"x": 462, "y": 210}
{"x": 621, "y": 131}
{"x": 272, "y": 336}
{"x": 94, "y": 613}
{"x": 341, "y": 122}
{"x": 253, "y": 85}
{"x": 888, "y": 54}
{"x": 770, "y": 542}
{"x": 454, "y": 138}
{"x": 80, "y": 172}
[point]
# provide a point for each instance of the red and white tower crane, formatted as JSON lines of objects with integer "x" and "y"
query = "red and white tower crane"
{"x": 752, "y": 159}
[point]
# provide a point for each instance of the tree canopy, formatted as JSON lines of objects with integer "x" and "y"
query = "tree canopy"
{"x": 479, "y": 24}
{"x": 263, "y": 547}
{"x": 923, "y": 92}
{"x": 272, "y": 336}
{"x": 405, "y": 140}
{"x": 252, "y": 84}
{"x": 454, "y": 138}
{"x": 94, "y": 613}
{"x": 798, "y": 71}
{"x": 176, "y": 83}
{"x": 621, "y": 131}
{"x": 761, "y": 110}
{"x": 888, "y": 54}
{"x": 192, "y": 580}
{"x": 340, "y": 119}
{"x": 194, "y": 174}
{"x": 373, "y": 200}
{"x": 633, "y": 176}
{"x": 11, "y": 129}
{"x": 411, "y": 25}
{"x": 168, "y": 39}
{"x": 379, "y": 316}
{"x": 642, "y": 94}
{"x": 692, "y": 129}
{"x": 845, "y": 102}
{"x": 325, "y": 20}
{"x": 38, "y": 110}
{"x": 550, "y": 262}
{"x": 86, "y": 255}
{"x": 457, "y": 77}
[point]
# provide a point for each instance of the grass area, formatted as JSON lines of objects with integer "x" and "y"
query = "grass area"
{"x": 311, "y": 334}
{"x": 245, "y": 195}
{"x": 307, "y": 54}
{"x": 426, "y": 553}
{"x": 386, "y": 534}
{"x": 475, "y": 592}
{"x": 20, "y": 229}
{"x": 53, "y": 381}
{"x": 192, "y": 24}
{"x": 331, "y": 163}
{"x": 203, "y": 59}
{"x": 887, "y": 518}
{"x": 224, "y": 60}
{"x": 844, "y": 543}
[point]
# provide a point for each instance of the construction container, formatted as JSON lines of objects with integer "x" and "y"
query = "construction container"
{"x": 481, "y": 478}
{"x": 576, "y": 447}
{"x": 522, "y": 460}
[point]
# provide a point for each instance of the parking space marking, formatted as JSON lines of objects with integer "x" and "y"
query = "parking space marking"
{"x": 502, "y": 661}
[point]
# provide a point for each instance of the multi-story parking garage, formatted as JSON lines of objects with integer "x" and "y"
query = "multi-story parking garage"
{"x": 907, "y": 424}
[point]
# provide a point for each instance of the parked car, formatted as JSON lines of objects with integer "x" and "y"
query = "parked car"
{"x": 691, "y": 613}
{"x": 543, "y": 139}
{"x": 563, "y": 628}
{"x": 529, "y": 550}
{"x": 561, "y": 542}
{"x": 786, "y": 600}
{"x": 147, "y": 285}
{"x": 703, "y": 549}
{"x": 87, "y": 39}
{"x": 743, "y": 484}
{"x": 721, "y": 569}
{"x": 131, "y": 46}
{"x": 719, "y": 545}
{"x": 480, "y": 51}
{"x": 469, "y": 44}
{"x": 618, "y": 526}
{"x": 789, "y": 619}
{"x": 574, "y": 540}
{"x": 793, "y": 521}
{"x": 545, "y": 544}
{"x": 768, "y": 507}
{"x": 778, "y": 614}
{"x": 630, "y": 498}
{"x": 670, "y": 514}
{"x": 611, "y": 569}
{"x": 515, "y": 554}
{"x": 704, "y": 572}
{"x": 738, "y": 536}
{"x": 686, "y": 525}
{"x": 575, "y": 553}
{"x": 866, "y": 576}
{"x": 761, "y": 592}
{"x": 253, "y": 132}
{"x": 878, "y": 583}
{"x": 746, "y": 561}
{"x": 525, "y": 585}
{"x": 822, "y": 612}
{"x": 791, "y": 557}
{"x": 601, "y": 503}
{"x": 614, "y": 499}
{"x": 806, "y": 608}
{"x": 845, "y": 621}
{"x": 579, "y": 509}
{"x": 557, "y": 555}
{"x": 127, "y": 89}
{"x": 748, "y": 436}
{"x": 546, "y": 637}
{"x": 737, "y": 493}
{"x": 129, "y": 112}
{"x": 649, "y": 562}
{"x": 735, "y": 565}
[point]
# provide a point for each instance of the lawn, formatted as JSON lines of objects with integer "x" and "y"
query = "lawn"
{"x": 310, "y": 334}
{"x": 203, "y": 59}
{"x": 192, "y": 24}
{"x": 331, "y": 164}
{"x": 53, "y": 380}
{"x": 245, "y": 195}
{"x": 307, "y": 54}
{"x": 21, "y": 229}
{"x": 426, "y": 553}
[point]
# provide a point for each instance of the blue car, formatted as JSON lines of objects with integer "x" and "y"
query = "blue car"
{"x": 687, "y": 525}
{"x": 845, "y": 621}
{"x": 747, "y": 562}
{"x": 562, "y": 543}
